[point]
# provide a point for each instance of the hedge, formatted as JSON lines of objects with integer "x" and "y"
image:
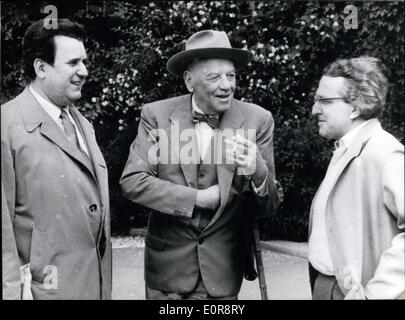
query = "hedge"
{"x": 128, "y": 45}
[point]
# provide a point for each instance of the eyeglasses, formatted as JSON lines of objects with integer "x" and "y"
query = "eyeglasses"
{"x": 327, "y": 100}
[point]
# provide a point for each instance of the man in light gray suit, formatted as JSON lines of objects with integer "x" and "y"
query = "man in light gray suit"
{"x": 356, "y": 243}
{"x": 55, "y": 206}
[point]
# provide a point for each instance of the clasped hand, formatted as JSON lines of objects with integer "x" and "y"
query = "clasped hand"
{"x": 209, "y": 198}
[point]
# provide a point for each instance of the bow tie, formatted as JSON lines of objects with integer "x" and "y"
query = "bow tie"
{"x": 211, "y": 119}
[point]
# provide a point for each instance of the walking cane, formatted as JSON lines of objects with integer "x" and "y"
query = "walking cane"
{"x": 258, "y": 250}
{"x": 259, "y": 261}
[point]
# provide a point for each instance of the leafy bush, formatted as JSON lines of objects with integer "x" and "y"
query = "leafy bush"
{"x": 128, "y": 45}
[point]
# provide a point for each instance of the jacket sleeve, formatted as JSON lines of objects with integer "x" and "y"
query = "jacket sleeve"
{"x": 10, "y": 260}
{"x": 140, "y": 182}
{"x": 270, "y": 196}
{"x": 389, "y": 278}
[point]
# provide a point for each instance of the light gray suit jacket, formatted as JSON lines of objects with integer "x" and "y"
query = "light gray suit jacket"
{"x": 365, "y": 216}
{"x": 49, "y": 192}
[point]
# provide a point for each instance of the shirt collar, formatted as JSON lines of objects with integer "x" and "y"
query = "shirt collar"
{"x": 50, "y": 108}
{"x": 194, "y": 105}
{"x": 348, "y": 138}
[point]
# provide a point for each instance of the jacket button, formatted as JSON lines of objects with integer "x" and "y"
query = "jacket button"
{"x": 93, "y": 208}
{"x": 200, "y": 240}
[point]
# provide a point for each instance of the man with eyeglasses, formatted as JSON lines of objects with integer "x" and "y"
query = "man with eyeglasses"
{"x": 356, "y": 228}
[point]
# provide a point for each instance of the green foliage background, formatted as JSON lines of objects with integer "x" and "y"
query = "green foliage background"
{"x": 128, "y": 45}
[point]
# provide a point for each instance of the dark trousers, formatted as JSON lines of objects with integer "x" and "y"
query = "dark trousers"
{"x": 324, "y": 287}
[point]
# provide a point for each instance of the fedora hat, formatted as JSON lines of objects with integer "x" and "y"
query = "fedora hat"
{"x": 207, "y": 44}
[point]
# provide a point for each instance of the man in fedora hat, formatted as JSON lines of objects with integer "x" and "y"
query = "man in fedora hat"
{"x": 194, "y": 241}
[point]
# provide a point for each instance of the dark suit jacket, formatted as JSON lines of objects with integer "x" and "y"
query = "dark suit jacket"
{"x": 48, "y": 191}
{"x": 175, "y": 250}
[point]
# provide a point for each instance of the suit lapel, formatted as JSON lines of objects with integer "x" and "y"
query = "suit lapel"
{"x": 181, "y": 120}
{"x": 231, "y": 120}
{"x": 97, "y": 159}
{"x": 90, "y": 140}
{"x": 34, "y": 116}
{"x": 359, "y": 141}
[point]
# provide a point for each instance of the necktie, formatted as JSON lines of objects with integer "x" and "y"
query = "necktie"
{"x": 72, "y": 137}
{"x": 211, "y": 119}
{"x": 69, "y": 128}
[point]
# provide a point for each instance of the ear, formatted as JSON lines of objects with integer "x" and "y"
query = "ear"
{"x": 187, "y": 80}
{"x": 355, "y": 113}
{"x": 40, "y": 68}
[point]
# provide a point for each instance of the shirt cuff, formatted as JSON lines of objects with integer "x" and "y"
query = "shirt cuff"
{"x": 260, "y": 191}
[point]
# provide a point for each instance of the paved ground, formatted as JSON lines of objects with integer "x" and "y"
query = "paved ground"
{"x": 286, "y": 275}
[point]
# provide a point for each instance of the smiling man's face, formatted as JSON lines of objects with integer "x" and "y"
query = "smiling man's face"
{"x": 213, "y": 84}
{"x": 64, "y": 79}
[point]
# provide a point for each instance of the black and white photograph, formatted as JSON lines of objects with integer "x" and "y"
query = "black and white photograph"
{"x": 202, "y": 150}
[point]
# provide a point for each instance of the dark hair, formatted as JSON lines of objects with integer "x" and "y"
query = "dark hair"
{"x": 39, "y": 42}
{"x": 366, "y": 85}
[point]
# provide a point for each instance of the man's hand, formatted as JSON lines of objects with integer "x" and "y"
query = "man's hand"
{"x": 209, "y": 198}
{"x": 243, "y": 153}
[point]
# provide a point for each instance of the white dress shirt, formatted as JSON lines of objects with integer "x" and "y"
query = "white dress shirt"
{"x": 204, "y": 132}
{"x": 54, "y": 112}
{"x": 318, "y": 246}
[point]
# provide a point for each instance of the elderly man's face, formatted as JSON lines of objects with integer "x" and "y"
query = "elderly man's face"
{"x": 213, "y": 84}
{"x": 64, "y": 79}
{"x": 334, "y": 116}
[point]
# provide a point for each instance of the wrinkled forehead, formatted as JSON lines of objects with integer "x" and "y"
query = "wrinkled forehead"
{"x": 331, "y": 86}
{"x": 205, "y": 66}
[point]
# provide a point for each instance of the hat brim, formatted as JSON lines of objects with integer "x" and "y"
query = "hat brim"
{"x": 178, "y": 63}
